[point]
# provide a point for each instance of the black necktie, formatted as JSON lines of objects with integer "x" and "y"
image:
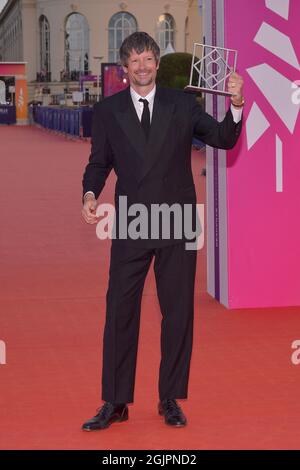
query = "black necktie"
{"x": 145, "y": 121}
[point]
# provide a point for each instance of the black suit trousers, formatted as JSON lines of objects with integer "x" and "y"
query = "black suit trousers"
{"x": 174, "y": 268}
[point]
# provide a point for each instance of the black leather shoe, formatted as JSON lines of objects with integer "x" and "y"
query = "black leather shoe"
{"x": 172, "y": 413}
{"x": 109, "y": 413}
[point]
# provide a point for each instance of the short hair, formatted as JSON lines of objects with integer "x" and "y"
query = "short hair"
{"x": 140, "y": 42}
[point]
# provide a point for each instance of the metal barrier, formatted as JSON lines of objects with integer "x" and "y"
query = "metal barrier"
{"x": 75, "y": 122}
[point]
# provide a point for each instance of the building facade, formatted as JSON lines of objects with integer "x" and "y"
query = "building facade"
{"x": 63, "y": 39}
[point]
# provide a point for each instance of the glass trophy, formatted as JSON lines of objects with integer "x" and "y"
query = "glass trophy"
{"x": 210, "y": 72}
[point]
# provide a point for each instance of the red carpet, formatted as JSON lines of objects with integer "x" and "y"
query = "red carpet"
{"x": 244, "y": 390}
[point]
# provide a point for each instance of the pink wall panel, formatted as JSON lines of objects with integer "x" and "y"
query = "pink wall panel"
{"x": 264, "y": 221}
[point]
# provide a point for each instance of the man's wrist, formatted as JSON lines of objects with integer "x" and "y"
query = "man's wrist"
{"x": 89, "y": 195}
{"x": 238, "y": 103}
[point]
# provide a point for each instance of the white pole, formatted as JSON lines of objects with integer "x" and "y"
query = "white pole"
{"x": 99, "y": 58}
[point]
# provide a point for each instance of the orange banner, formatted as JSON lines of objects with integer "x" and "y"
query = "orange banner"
{"x": 21, "y": 99}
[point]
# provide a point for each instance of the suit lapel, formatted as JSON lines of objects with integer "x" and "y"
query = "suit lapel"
{"x": 149, "y": 151}
{"x": 131, "y": 125}
{"x": 161, "y": 120}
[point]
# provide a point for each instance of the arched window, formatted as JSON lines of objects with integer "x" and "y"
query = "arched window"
{"x": 76, "y": 44}
{"x": 120, "y": 26}
{"x": 45, "y": 67}
{"x": 166, "y": 32}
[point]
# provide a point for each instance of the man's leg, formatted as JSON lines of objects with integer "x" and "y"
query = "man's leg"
{"x": 128, "y": 269}
{"x": 175, "y": 269}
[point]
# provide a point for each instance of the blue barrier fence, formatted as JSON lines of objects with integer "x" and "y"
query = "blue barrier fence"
{"x": 7, "y": 114}
{"x": 75, "y": 122}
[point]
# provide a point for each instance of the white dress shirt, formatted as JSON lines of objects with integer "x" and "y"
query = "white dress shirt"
{"x": 139, "y": 106}
{"x": 236, "y": 113}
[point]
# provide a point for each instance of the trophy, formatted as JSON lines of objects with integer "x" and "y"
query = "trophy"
{"x": 211, "y": 71}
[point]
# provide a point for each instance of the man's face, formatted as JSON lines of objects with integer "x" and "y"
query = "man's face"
{"x": 141, "y": 69}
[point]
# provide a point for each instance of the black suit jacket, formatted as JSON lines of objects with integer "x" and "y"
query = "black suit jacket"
{"x": 159, "y": 170}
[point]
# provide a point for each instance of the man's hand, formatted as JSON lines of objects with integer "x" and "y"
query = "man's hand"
{"x": 235, "y": 86}
{"x": 89, "y": 209}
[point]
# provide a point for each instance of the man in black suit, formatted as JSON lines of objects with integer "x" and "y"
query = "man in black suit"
{"x": 145, "y": 133}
